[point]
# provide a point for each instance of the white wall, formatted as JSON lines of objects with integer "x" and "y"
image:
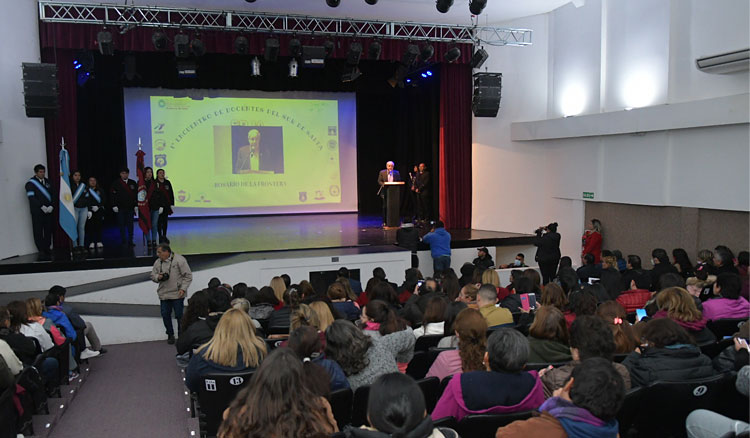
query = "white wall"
{"x": 22, "y": 143}
{"x": 606, "y": 56}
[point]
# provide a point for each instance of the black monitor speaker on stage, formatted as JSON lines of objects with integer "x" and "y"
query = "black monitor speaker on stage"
{"x": 487, "y": 91}
{"x": 40, "y": 89}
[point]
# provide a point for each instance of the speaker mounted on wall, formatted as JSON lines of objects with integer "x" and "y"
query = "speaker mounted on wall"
{"x": 40, "y": 89}
{"x": 487, "y": 93}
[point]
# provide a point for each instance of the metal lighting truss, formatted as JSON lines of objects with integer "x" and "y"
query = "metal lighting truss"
{"x": 129, "y": 16}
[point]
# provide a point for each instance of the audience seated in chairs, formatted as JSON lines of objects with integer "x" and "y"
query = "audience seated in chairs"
{"x": 548, "y": 337}
{"x": 433, "y": 321}
{"x": 730, "y": 304}
{"x": 611, "y": 278}
{"x": 363, "y": 358}
{"x": 582, "y": 302}
{"x": 522, "y": 285}
{"x": 233, "y": 347}
{"x": 451, "y": 313}
{"x": 282, "y": 400}
{"x": 624, "y": 334}
{"x": 262, "y": 303}
{"x": 379, "y": 319}
{"x": 342, "y": 302}
{"x": 79, "y": 324}
{"x": 729, "y": 358}
{"x": 396, "y": 408}
{"x": 554, "y": 295}
{"x": 585, "y": 407}
{"x": 468, "y": 295}
{"x": 503, "y": 388}
{"x": 637, "y": 295}
{"x": 305, "y": 343}
{"x": 323, "y": 313}
{"x": 676, "y": 304}
{"x": 486, "y": 300}
{"x": 471, "y": 332}
{"x": 589, "y": 337}
{"x": 666, "y": 353}
{"x": 198, "y": 330}
{"x": 279, "y": 288}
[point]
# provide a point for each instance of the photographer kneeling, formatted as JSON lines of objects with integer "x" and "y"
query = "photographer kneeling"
{"x": 173, "y": 274}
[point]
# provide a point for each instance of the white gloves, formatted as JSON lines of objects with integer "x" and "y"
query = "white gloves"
{"x": 95, "y": 208}
{"x": 89, "y": 214}
{"x": 44, "y": 209}
{"x": 48, "y": 209}
{"x": 115, "y": 209}
{"x": 135, "y": 210}
{"x": 161, "y": 210}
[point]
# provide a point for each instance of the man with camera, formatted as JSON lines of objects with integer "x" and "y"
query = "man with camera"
{"x": 173, "y": 274}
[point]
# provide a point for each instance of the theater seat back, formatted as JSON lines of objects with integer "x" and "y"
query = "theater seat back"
{"x": 215, "y": 393}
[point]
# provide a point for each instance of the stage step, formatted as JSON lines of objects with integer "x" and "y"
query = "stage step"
{"x": 44, "y": 424}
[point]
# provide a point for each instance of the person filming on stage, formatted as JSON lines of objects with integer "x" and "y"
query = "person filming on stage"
{"x": 389, "y": 174}
{"x": 173, "y": 274}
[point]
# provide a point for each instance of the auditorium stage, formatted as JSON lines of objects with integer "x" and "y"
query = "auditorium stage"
{"x": 202, "y": 238}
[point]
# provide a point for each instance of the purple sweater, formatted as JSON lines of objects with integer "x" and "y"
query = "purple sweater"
{"x": 723, "y": 308}
{"x": 453, "y": 403}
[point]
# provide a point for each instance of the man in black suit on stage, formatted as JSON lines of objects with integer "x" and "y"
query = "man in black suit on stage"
{"x": 422, "y": 188}
{"x": 389, "y": 174}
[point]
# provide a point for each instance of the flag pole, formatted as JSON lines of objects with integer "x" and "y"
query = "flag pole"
{"x": 71, "y": 244}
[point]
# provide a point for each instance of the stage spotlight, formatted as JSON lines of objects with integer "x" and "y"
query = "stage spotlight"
{"x": 159, "y": 40}
{"x": 333, "y": 3}
{"x": 354, "y": 53}
{"x": 351, "y": 73}
{"x": 295, "y": 48}
{"x": 428, "y": 73}
{"x": 105, "y": 43}
{"x": 197, "y": 47}
{"x": 329, "y": 47}
{"x": 408, "y": 58}
{"x": 272, "y": 50}
{"x": 181, "y": 45}
{"x": 443, "y": 5}
{"x": 452, "y": 54}
{"x": 241, "y": 45}
{"x": 477, "y": 6}
{"x": 371, "y": 2}
{"x": 478, "y": 58}
{"x": 374, "y": 50}
{"x": 426, "y": 52}
{"x": 255, "y": 67}
{"x": 293, "y": 68}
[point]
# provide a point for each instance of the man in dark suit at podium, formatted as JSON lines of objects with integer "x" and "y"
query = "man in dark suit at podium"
{"x": 389, "y": 174}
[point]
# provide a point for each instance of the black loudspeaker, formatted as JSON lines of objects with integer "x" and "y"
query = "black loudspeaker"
{"x": 40, "y": 89}
{"x": 181, "y": 45}
{"x": 487, "y": 91}
{"x": 271, "y": 53}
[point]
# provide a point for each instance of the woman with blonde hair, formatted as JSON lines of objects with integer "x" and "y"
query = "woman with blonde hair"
{"x": 489, "y": 276}
{"x": 303, "y": 315}
{"x": 471, "y": 332}
{"x": 279, "y": 287}
{"x": 234, "y": 347}
{"x": 325, "y": 317}
{"x": 676, "y": 304}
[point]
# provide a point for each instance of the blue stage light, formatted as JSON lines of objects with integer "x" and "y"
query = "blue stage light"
{"x": 429, "y": 73}
{"x": 408, "y": 80}
{"x": 424, "y": 75}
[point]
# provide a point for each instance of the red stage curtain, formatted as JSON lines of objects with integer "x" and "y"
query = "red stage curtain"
{"x": 64, "y": 125}
{"x": 455, "y": 145}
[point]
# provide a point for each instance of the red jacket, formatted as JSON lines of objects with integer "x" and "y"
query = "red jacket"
{"x": 592, "y": 243}
{"x": 633, "y": 299}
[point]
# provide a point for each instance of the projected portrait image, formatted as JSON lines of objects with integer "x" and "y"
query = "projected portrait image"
{"x": 257, "y": 149}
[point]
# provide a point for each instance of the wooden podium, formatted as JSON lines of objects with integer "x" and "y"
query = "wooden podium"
{"x": 393, "y": 203}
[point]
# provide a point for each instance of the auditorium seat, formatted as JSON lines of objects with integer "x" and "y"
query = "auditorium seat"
{"x": 449, "y": 422}
{"x": 8, "y": 414}
{"x": 426, "y": 342}
{"x": 359, "y": 406}
{"x": 421, "y": 363}
{"x": 341, "y": 406}
{"x": 715, "y": 348}
{"x": 725, "y": 327}
{"x": 431, "y": 390}
{"x": 444, "y": 384}
{"x": 215, "y": 392}
{"x": 629, "y": 409}
{"x": 485, "y": 425}
{"x": 32, "y": 381}
{"x": 673, "y": 401}
{"x": 618, "y": 358}
{"x": 541, "y": 366}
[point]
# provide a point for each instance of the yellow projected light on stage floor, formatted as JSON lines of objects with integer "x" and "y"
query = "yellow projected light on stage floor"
{"x": 248, "y": 152}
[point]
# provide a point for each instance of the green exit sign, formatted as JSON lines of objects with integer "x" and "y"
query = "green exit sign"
{"x": 588, "y": 195}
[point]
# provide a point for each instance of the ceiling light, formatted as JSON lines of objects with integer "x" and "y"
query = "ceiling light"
{"x": 452, "y": 54}
{"x": 295, "y": 47}
{"x": 443, "y": 5}
{"x": 477, "y": 6}
{"x": 426, "y": 52}
{"x": 255, "y": 67}
{"x": 329, "y": 46}
{"x": 293, "y": 68}
{"x": 197, "y": 46}
{"x": 479, "y": 57}
{"x": 105, "y": 43}
{"x": 355, "y": 52}
{"x": 371, "y": 2}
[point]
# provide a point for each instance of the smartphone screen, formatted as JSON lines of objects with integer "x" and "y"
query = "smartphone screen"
{"x": 640, "y": 314}
{"x": 532, "y": 300}
{"x": 420, "y": 283}
{"x": 593, "y": 280}
{"x": 525, "y": 301}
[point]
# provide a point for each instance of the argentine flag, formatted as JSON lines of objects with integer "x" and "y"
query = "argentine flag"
{"x": 67, "y": 211}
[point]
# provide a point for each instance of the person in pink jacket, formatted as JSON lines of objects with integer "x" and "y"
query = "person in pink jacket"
{"x": 731, "y": 305}
{"x": 504, "y": 388}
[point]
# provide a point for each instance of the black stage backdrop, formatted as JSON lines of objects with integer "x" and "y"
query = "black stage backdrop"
{"x": 392, "y": 123}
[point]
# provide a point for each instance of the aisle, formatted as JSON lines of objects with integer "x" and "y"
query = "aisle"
{"x": 134, "y": 390}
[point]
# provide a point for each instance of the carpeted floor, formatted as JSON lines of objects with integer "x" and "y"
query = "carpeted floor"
{"x": 134, "y": 390}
